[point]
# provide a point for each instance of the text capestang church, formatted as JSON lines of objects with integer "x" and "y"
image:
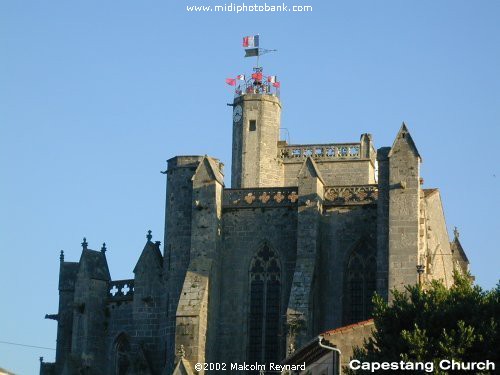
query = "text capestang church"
{"x": 296, "y": 246}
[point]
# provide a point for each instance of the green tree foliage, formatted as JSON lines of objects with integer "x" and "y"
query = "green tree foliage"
{"x": 434, "y": 323}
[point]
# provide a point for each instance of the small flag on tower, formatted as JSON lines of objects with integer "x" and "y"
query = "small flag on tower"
{"x": 231, "y": 81}
{"x": 251, "y": 41}
{"x": 277, "y": 85}
{"x": 272, "y": 79}
{"x": 257, "y": 76}
{"x": 241, "y": 77}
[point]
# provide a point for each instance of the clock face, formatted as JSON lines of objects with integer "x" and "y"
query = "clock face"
{"x": 237, "y": 113}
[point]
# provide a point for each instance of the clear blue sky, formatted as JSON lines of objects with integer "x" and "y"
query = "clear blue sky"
{"x": 96, "y": 95}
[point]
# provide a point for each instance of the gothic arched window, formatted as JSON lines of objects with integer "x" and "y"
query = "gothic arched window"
{"x": 359, "y": 285}
{"x": 122, "y": 356}
{"x": 265, "y": 295}
{"x": 371, "y": 283}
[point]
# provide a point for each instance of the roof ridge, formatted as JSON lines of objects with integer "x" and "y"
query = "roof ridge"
{"x": 344, "y": 328}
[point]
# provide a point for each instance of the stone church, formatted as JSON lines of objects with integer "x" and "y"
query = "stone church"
{"x": 296, "y": 246}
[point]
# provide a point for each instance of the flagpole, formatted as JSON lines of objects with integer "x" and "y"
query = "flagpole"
{"x": 258, "y": 52}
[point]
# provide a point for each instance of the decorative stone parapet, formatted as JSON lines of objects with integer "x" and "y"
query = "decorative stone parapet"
{"x": 351, "y": 195}
{"x": 260, "y": 197}
{"x": 121, "y": 290}
{"x": 332, "y": 151}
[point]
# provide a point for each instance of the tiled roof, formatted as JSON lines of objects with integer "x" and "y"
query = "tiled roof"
{"x": 311, "y": 350}
{"x": 350, "y": 326}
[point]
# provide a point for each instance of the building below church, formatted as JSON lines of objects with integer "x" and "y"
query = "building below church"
{"x": 329, "y": 352}
{"x": 297, "y": 246}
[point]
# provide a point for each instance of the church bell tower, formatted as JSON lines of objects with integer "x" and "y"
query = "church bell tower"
{"x": 256, "y": 128}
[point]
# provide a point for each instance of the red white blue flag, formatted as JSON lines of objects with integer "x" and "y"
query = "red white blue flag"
{"x": 241, "y": 77}
{"x": 251, "y": 41}
{"x": 257, "y": 76}
{"x": 272, "y": 79}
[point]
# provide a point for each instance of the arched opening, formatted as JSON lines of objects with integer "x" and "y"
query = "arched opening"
{"x": 359, "y": 284}
{"x": 265, "y": 305}
{"x": 122, "y": 355}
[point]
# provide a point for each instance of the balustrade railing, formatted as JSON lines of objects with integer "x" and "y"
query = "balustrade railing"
{"x": 323, "y": 151}
{"x": 351, "y": 195}
{"x": 288, "y": 196}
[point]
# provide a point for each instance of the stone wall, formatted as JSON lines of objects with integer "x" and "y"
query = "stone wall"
{"x": 245, "y": 230}
{"x": 338, "y": 163}
{"x": 348, "y": 172}
{"x": 346, "y": 338}
{"x": 343, "y": 228}
{"x": 436, "y": 255}
{"x": 120, "y": 322}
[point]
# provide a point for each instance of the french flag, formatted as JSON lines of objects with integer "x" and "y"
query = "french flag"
{"x": 251, "y": 41}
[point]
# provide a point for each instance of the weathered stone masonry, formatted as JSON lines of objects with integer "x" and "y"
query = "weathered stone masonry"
{"x": 297, "y": 246}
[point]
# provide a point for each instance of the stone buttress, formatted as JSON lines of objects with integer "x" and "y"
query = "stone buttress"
{"x": 67, "y": 278}
{"x": 146, "y": 308}
{"x": 89, "y": 330}
{"x": 198, "y": 302}
{"x": 177, "y": 243}
{"x": 300, "y": 309}
{"x": 404, "y": 211}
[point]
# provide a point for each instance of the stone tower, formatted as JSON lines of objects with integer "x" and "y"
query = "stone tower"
{"x": 256, "y": 126}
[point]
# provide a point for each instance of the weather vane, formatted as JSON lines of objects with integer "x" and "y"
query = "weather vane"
{"x": 257, "y": 83}
{"x": 251, "y": 45}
